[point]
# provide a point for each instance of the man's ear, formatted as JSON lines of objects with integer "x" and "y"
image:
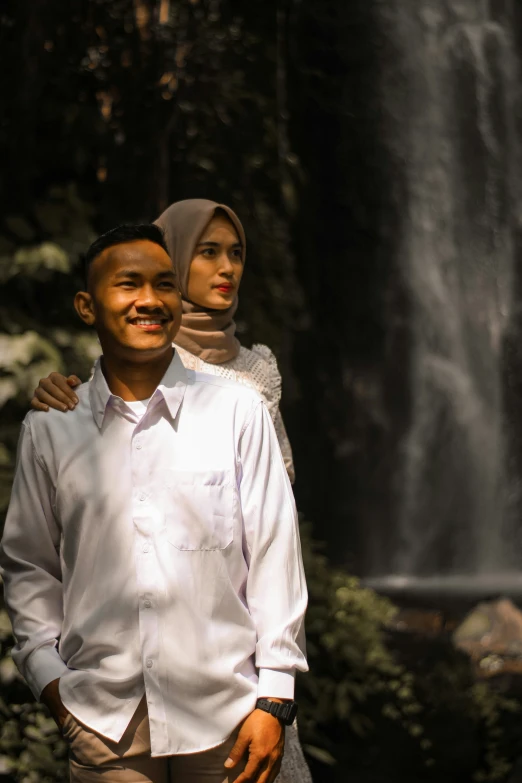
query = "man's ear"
{"x": 84, "y": 307}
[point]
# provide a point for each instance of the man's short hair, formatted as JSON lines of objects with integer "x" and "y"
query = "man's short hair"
{"x": 120, "y": 236}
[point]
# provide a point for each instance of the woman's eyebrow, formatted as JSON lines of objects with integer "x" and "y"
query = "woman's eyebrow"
{"x": 216, "y": 244}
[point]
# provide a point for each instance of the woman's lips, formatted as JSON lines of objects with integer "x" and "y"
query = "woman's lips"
{"x": 224, "y": 288}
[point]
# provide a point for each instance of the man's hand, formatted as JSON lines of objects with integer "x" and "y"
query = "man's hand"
{"x": 263, "y": 736}
{"x": 50, "y": 696}
{"x": 56, "y": 391}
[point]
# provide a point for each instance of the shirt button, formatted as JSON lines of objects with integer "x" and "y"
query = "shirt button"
{"x": 146, "y": 548}
{"x": 143, "y": 497}
{"x": 138, "y": 445}
{"x": 147, "y": 604}
{"x": 149, "y": 663}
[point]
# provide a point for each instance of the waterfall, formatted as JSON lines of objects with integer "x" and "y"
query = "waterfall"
{"x": 455, "y": 520}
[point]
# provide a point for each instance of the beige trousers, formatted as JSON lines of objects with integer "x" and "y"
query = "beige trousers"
{"x": 95, "y": 759}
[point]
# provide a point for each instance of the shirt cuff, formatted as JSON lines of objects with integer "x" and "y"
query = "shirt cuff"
{"x": 276, "y": 683}
{"x": 42, "y": 667}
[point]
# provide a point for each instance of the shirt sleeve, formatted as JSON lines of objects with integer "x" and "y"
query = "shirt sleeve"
{"x": 30, "y": 567}
{"x": 276, "y": 590}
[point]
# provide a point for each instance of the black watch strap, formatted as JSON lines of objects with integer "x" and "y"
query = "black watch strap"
{"x": 286, "y": 711}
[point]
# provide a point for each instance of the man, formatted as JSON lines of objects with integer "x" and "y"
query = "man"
{"x": 151, "y": 556}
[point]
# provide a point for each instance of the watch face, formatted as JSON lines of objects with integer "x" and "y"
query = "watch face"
{"x": 289, "y": 712}
{"x": 292, "y": 712}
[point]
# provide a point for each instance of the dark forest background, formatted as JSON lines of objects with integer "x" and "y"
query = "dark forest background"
{"x": 276, "y": 109}
{"x": 305, "y": 116}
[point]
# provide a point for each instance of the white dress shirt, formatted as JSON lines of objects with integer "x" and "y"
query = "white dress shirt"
{"x": 156, "y": 553}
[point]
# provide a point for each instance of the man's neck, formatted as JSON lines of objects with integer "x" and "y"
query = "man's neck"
{"x": 135, "y": 380}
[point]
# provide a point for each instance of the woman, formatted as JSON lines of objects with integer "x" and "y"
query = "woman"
{"x": 207, "y": 244}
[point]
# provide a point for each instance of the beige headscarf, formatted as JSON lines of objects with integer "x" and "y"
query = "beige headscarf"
{"x": 209, "y": 334}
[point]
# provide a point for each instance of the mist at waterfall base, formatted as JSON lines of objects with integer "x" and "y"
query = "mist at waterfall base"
{"x": 458, "y": 529}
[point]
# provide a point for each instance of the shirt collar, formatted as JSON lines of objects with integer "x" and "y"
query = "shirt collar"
{"x": 172, "y": 389}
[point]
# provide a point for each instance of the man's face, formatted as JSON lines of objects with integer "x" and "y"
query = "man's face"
{"x": 133, "y": 300}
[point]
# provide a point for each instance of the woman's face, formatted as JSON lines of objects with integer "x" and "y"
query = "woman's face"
{"x": 216, "y": 267}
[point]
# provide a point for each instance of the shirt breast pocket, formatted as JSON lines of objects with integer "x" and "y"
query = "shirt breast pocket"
{"x": 199, "y": 509}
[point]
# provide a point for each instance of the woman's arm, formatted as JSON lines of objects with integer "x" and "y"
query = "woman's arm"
{"x": 270, "y": 390}
{"x": 56, "y": 391}
{"x": 284, "y": 445}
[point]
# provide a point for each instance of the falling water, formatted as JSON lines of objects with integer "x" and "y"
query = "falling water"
{"x": 458, "y": 260}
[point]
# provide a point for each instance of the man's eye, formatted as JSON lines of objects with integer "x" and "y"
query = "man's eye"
{"x": 127, "y": 284}
{"x": 165, "y": 284}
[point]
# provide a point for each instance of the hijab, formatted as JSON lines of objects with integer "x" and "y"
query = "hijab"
{"x": 209, "y": 334}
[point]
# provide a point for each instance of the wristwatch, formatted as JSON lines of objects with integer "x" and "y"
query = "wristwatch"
{"x": 286, "y": 711}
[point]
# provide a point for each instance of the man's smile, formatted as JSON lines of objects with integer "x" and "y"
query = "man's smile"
{"x": 149, "y": 324}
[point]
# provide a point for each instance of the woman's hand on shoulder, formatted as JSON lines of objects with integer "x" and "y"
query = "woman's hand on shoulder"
{"x": 56, "y": 391}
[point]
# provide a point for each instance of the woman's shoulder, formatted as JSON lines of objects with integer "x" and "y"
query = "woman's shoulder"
{"x": 258, "y": 354}
{"x": 255, "y": 367}
{"x": 260, "y": 366}
{"x": 189, "y": 360}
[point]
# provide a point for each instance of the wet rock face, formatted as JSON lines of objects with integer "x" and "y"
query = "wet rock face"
{"x": 415, "y": 345}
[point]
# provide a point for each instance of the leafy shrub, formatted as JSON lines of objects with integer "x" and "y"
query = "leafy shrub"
{"x": 31, "y": 748}
{"x": 350, "y": 664}
{"x": 424, "y": 709}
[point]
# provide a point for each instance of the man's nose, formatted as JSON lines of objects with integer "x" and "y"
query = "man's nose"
{"x": 148, "y": 297}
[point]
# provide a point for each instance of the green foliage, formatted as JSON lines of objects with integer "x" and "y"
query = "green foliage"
{"x": 39, "y": 330}
{"x": 31, "y": 749}
{"x": 489, "y": 708}
{"x": 451, "y": 695}
{"x": 349, "y": 661}
{"x": 363, "y": 692}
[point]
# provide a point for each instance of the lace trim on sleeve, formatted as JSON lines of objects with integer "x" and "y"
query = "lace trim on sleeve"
{"x": 273, "y": 398}
{"x": 273, "y": 378}
{"x": 284, "y": 444}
